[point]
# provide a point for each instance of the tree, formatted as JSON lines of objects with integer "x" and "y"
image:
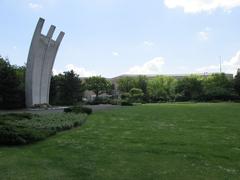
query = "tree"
{"x": 141, "y": 82}
{"x": 66, "y": 89}
{"x": 218, "y": 87}
{"x": 98, "y": 85}
{"x": 20, "y": 72}
{"x": 161, "y": 88}
{"x": 237, "y": 83}
{"x": 55, "y": 88}
{"x": 12, "y": 94}
{"x": 125, "y": 84}
{"x": 189, "y": 88}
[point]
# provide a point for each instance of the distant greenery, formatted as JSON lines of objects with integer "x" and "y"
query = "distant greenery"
{"x": 68, "y": 88}
{"x": 161, "y": 88}
{"x": 180, "y": 141}
{"x": 125, "y": 84}
{"x": 190, "y": 88}
{"x": 17, "y": 129}
{"x": 218, "y": 87}
{"x": 134, "y": 96}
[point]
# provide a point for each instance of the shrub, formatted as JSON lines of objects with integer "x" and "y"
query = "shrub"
{"x": 57, "y": 122}
{"x": 78, "y": 109}
{"x": 136, "y": 95}
{"x": 114, "y": 102}
{"x": 67, "y": 110}
{"x": 181, "y": 98}
{"x": 18, "y": 129}
{"x": 81, "y": 109}
{"x": 101, "y": 100}
{"x": 18, "y": 116}
{"x": 44, "y": 106}
{"x": 125, "y": 96}
{"x": 220, "y": 94}
{"x": 126, "y": 103}
{"x": 18, "y": 135}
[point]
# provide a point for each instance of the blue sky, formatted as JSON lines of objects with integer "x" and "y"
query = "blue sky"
{"x": 114, "y": 37}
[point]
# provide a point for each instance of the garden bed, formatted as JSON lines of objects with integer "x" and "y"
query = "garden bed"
{"x": 25, "y": 128}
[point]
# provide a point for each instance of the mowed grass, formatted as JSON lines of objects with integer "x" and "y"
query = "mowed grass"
{"x": 167, "y": 141}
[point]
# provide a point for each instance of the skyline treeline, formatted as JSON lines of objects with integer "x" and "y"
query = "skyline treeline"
{"x": 68, "y": 88}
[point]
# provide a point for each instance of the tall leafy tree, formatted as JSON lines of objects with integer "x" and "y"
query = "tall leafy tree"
{"x": 66, "y": 89}
{"x": 12, "y": 94}
{"x": 55, "y": 88}
{"x": 98, "y": 85}
{"x": 141, "y": 82}
{"x": 219, "y": 87}
{"x": 125, "y": 84}
{"x": 190, "y": 88}
{"x": 161, "y": 88}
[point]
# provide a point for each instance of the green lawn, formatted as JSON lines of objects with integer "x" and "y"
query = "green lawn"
{"x": 167, "y": 141}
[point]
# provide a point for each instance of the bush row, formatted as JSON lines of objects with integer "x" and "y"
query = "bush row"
{"x": 78, "y": 109}
{"x": 19, "y": 129}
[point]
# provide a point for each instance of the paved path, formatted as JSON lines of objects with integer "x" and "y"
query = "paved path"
{"x": 95, "y": 108}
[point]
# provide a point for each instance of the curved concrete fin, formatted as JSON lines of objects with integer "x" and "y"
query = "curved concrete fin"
{"x": 41, "y": 57}
{"x": 51, "y": 31}
{"x": 60, "y": 37}
{"x": 39, "y": 26}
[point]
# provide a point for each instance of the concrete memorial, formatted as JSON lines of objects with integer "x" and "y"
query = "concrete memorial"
{"x": 41, "y": 57}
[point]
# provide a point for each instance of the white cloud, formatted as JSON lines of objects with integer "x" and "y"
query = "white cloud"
{"x": 35, "y": 6}
{"x": 233, "y": 64}
{"x": 229, "y": 66}
{"x": 148, "y": 43}
{"x": 204, "y": 35}
{"x": 115, "y": 53}
{"x": 56, "y": 72}
{"x": 196, "y": 6}
{"x": 153, "y": 66}
{"x": 82, "y": 72}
